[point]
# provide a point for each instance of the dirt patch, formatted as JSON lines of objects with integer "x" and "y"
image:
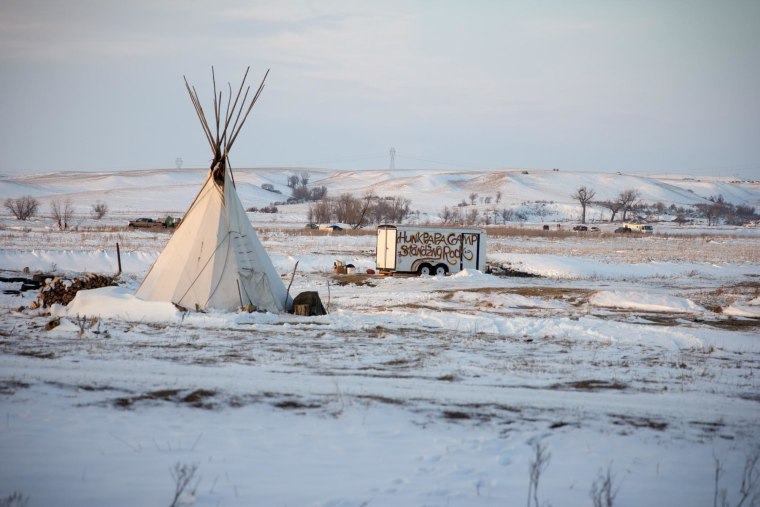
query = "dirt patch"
{"x": 589, "y": 385}
{"x": 731, "y": 324}
{"x": 295, "y": 405}
{"x": 358, "y": 280}
{"x": 709, "y": 427}
{"x": 638, "y": 422}
{"x": 456, "y": 415}
{"x": 402, "y": 362}
{"x": 380, "y": 399}
{"x": 508, "y": 271}
{"x": 661, "y": 320}
{"x": 87, "y": 388}
{"x": 750, "y": 396}
{"x": 199, "y": 398}
{"x": 542, "y": 292}
{"x": 9, "y": 387}
{"x": 36, "y": 354}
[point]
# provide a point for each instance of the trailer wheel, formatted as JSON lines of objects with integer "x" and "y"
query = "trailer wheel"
{"x": 441, "y": 270}
{"x": 425, "y": 269}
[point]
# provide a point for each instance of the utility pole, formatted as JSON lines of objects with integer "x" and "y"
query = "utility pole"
{"x": 393, "y": 158}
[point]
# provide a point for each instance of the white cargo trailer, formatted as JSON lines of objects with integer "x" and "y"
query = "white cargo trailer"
{"x": 429, "y": 250}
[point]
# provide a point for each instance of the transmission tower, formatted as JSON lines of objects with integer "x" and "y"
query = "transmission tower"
{"x": 393, "y": 158}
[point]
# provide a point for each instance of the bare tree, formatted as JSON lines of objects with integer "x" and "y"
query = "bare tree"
{"x": 627, "y": 200}
{"x": 23, "y": 207}
{"x": 498, "y": 196}
{"x": 402, "y": 209}
{"x": 318, "y": 193}
{"x": 506, "y": 215}
{"x": 749, "y": 489}
{"x": 715, "y": 209}
{"x": 584, "y": 196}
{"x": 301, "y": 193}
{"x": 364, "y": 208}
{"x": 537, "y": 467}
{"x": 445, "y": 215}
{"x": 390, "y": 209}
{"x": 99, "y": 210}
{"x": 473, "y": 198}
{"x": 472, "y": 217}
{"x": 456, "y": 216}
{"x": 62, "y": 213}
{"x": 182, "y": 474}
{"x": 613, "y": 206}
{"x": 603, "y": 490}
{"x": 346, "y": 209}
{"x": 293, "y": 180}
{"x": 320, "y": 211}
{"x": 305, "y": 177}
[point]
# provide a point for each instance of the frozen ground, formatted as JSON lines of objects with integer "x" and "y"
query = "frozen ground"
{"x": 641, "y": 356}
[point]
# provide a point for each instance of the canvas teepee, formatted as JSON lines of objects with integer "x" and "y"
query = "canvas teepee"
{"x": 214, "y": 259}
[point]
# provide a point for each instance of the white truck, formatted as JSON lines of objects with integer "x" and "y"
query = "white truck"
{"x": 429, "y": 250}
{"x": 645, "y": 228}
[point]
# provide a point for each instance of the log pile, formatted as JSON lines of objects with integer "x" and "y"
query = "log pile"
{"x": 62, "y": 290}
{"x": 307, "y": 304}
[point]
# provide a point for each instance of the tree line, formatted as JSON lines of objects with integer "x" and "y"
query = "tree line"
{"x": 62, "y": 212}
{"x": 715, "y": 210}
{"x": 359, "y": 212}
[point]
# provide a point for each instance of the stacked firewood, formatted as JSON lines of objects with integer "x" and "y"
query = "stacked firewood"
{"x": 62, "y": 290}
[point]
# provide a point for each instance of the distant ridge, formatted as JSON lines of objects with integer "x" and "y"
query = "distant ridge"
{"x": 429, "y": 190}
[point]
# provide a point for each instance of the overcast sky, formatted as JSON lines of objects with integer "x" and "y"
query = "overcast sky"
{"x": 633, "y": 86}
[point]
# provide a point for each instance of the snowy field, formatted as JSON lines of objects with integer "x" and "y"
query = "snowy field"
{"x": 637, "y": 356}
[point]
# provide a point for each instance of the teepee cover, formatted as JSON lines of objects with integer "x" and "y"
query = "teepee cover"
{"x": 214, "y": 259}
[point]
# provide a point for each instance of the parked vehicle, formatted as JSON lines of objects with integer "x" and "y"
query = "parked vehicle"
{"x": 146, "y": 223}
{"x": 645, "y": 228}
{"x": 331, "y": 228}
{"x": 580, "y": 228}
{"x": 429, "y": 250}
{"x": 312, "y": 226}
{"x": 143, "y": 223}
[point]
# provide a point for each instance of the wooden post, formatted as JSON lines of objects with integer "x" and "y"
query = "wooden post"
{"x": 118, "y": 258}
{"x": 292, "y": 277}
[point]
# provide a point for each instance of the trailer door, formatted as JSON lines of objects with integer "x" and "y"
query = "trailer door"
{"x": 470, "y": 251}
{"x": 386, "y": 248}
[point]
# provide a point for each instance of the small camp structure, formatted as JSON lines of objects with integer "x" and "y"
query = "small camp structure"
{"x": 214, "y": 259}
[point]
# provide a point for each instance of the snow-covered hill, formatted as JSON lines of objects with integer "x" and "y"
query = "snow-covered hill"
{"x": 172, "y": 190}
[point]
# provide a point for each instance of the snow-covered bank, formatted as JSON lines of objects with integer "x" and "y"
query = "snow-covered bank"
{"x": 75, "y": 261}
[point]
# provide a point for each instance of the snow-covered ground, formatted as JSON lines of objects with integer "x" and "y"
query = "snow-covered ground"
{"x": 635, "y": 355}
